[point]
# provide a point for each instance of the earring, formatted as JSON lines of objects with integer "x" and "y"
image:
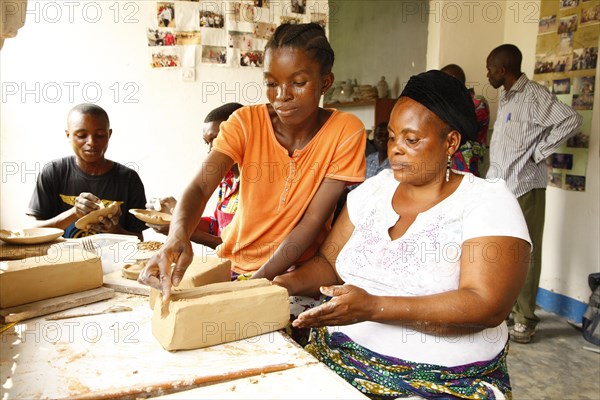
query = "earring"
{"x": 448, "y": 168}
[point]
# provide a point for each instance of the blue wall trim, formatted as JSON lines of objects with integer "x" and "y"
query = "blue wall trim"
{"x": 560, "y": 304}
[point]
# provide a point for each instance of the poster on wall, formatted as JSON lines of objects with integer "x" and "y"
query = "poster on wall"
{"x": 299, "y": 6}
{"x": 174, "y": 24}
{"x": 214, "y": 55}
{"x": 165, "y": 14}
{"x": 166, "y": 57}
{"x": 264, "y": 30}
{"x": 261, "y": 3}
{"x": 161, "y": 37}
{"x": 229, "y": 34}
{"x": 590, "y": 15}
{"x": 212, "y": 19}
{"x": 187, "y": 38}
{"x": 566, "y": 59}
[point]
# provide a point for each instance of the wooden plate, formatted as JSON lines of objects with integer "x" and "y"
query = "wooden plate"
{"x": 151, "y": 216}
{"x": 132, "y": 271}
{"x": 30, "y": 236}
{"x": 93, "y": 217}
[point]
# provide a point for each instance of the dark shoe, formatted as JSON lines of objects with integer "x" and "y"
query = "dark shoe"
{"x": 510, "y": 320}
{"x": 521, "y": 333}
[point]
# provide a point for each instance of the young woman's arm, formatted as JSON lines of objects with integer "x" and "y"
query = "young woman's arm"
{"x": 320, "y": 270}
{"x": 304, "y": 234}
{"x": 177, "y": 248}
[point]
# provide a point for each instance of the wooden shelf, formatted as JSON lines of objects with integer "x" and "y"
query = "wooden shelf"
{"x": 351, "y": 104}
{"x": 382, "y": 107}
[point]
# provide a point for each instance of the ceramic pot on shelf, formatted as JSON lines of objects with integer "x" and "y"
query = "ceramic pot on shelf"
{"x": 337, "y": 92}
{"x": 348, "y": 89}
{"x": 329, "y": 95}
{"x": 355, "y": 90}
{"x": 382, "y": 88}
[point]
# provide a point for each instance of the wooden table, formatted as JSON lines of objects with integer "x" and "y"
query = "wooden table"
{"x": 311, "y": 381}
{"x": 116, "y": 356}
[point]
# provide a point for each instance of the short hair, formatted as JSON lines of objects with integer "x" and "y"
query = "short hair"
{"x": 382, "y": 125}
{"x": 455, "y": 71}
{"x": 509, "y": 56}
{"x": 222, "y": 113}
{"x": 308, "y": 37}
{"x": 88, "y": 109}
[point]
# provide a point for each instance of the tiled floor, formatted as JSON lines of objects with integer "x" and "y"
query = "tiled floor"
{"x": 555, "y": 364}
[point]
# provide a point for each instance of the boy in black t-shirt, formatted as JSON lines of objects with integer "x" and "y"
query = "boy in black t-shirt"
{"x": 71, "y": 187}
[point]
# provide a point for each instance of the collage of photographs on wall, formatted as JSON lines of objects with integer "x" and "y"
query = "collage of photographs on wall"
{"x": 566, "y": 59}
{"x": 230, "y": 34}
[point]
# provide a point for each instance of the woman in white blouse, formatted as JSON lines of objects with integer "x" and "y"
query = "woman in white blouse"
{"x": 422, "y": 266}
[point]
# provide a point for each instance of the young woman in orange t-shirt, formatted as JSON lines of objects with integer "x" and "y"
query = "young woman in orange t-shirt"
{"x": 295, "y": 159}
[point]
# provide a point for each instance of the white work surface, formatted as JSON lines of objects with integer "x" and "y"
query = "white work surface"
{"x": 312, "y": 381}
{"x": 116, "y": 356}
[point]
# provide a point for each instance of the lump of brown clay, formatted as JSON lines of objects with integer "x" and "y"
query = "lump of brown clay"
{"x": 132, "y": 271}
{"x": 56, "y": 274}
{"x": 220, "y": 313}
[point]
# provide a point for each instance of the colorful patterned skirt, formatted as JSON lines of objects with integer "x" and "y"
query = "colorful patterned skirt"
{"x": 381, "y": 377}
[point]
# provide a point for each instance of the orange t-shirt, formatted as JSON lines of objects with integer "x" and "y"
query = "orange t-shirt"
{"x": 276, "y": 189}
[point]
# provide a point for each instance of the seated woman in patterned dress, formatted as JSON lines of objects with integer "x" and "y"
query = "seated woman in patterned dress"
{"x": 422, "y": 266}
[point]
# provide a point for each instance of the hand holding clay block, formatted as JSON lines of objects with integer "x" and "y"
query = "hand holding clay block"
{"x": 56, "y": 274}
{"x": 220, "y": 313}
{"x": 202, "y": 271}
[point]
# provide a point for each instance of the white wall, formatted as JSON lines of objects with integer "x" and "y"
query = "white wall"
{"x": 572, "y": 226}
{"x": 378, "y": 38}
{"x": 156, "y": 118}
{"x": 463, "y": 33}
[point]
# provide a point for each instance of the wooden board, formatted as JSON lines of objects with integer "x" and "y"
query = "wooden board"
{"x": 18, "y": 252}
{"x": 202, "y": 271}
{"x": 116, "y": 281}
{"x": 311, "y": 381}
{"x": 116, "y": 356}
{"x": 55, "y": 304}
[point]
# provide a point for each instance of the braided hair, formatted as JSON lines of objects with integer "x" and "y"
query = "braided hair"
{"x": 308, "y": 37}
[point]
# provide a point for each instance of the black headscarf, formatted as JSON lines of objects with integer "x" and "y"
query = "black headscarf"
{"x": 447, "y": 98}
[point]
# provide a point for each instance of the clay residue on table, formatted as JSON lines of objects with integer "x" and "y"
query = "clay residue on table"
{"x": 75, "y": 357}
{"x": 76, "y": 387}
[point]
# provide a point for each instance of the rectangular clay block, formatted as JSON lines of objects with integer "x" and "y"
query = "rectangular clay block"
{"x": 220, "y": 313}
{"x": 202, "y": 271}
{"x": 58, "y": 273}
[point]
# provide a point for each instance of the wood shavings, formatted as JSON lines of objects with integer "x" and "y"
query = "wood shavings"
{"x": 149, "y": 245}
